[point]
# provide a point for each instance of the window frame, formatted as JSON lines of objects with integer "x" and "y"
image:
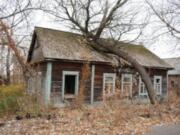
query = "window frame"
{"x": 113, "y": 75}
{"x": 64, "y": 73}
{"x": 144, "y": 88}
{"x": 131, "y": 82}
{"x": 158, "y": 77}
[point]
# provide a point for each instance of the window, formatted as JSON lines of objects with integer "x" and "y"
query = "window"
{"x": 126, "y": 85}
{"x": 70, "y": 84}
{"x": 109, "y": 83}
{"x": 158, "y": 84}
{"x": 142, "y": 88}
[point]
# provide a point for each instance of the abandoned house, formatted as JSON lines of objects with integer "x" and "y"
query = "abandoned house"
{"x": 174, "y": 75}
{"x": 61, "y": 55}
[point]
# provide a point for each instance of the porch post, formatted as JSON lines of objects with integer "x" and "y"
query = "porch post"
{"x": 92, "y": 83}
{"x": 167, "y": 85}
{"x": 48, "y": 82}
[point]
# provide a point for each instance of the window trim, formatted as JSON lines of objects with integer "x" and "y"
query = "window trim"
{"x": 158, "y": 77}
{"x": 64, "y": 73}
{"x": 122, "y": 82}
{"x": 140, "y": 93}
{"x": 113, "y": 75}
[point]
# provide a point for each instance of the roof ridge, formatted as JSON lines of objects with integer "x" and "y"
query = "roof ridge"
{"x": 172, "y": 58}
{"x": 57, "y": 30}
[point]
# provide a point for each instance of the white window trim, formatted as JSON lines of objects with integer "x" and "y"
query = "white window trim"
{"x": 158, "y": 77}
{"x": 113, "y": 75}
{"x": 64, "y": 73}
{"x": 145, "y": 93}
{"x": 122, "y": 82}
{"x": 92, "y": 83}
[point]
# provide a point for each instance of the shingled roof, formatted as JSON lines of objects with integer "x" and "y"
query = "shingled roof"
{"x": 55, "y": 44}
{"x": 175, "y": 62}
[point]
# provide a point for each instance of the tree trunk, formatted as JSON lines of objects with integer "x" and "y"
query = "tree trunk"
{"x": 115, "y": 49}
{"x": 11, "y": 44}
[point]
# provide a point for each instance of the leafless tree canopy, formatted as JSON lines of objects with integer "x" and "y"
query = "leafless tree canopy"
{"x": 168, "y": 13}
{"x": 14, "y": 17}
{"x": 107, "y": 18}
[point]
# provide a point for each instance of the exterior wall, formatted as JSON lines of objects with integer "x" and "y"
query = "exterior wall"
{"x": 57, "y": 70}
{"x": 152, "y": 73}
{"x": 174, "y": 83}
{"x": 59, "y": 67}
{"x": 99, "y": 70}
{"x": 37, "y": 82}
{"x": 37, "y": 53}
{"x": 163, "y": 73}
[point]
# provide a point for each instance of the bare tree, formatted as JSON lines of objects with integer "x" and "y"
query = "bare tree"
{"x": 96, "y": 19}
{"x": 168, "y": 13}
{"x": 14, "y": 15}
{"x": 11, "y": 45}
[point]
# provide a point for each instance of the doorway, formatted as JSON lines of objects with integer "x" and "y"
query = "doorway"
{"x": 70, "y": 84}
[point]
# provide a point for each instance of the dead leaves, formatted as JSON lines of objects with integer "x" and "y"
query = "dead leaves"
{"x": 116, "y": 119}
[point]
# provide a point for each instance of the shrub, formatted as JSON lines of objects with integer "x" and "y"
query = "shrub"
{"x": 8, "y": 98}
{"x": 13, "y": 100}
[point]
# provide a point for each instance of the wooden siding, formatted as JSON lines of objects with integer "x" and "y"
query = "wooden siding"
{"x": 163, "y": 73}
{"x": 98, "y": 89}
{"x": 58, "y": 67}
{"x": 152, "y": 73}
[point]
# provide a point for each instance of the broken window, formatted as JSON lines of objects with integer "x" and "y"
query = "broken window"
{"x": 158, "y": 84}
{"x": 109, "y": 83}
{"x": 142, "y": 88}
{"x": 126, "y": 86}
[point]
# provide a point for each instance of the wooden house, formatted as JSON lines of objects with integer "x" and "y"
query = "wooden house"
{"x": 61, "y": 55}
{"x": 174, "y": 75}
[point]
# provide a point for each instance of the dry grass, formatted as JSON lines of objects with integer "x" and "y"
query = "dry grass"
{"x": 113, "y": 117}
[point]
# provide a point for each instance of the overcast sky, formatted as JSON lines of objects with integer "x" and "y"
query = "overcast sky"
{"x": 164, "y": 46}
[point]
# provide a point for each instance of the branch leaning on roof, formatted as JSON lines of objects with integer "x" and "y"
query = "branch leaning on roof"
{"x": 79, "y": 14}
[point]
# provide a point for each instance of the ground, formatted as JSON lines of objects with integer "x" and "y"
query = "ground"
{"x": 109, "y": 118}
{"x": 173, "y": 129}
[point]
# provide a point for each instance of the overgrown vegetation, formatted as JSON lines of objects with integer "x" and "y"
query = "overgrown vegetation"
{"x": 14, "y": 100}
{"x": 111, "y": 117}
{"x": 9, "y": 98}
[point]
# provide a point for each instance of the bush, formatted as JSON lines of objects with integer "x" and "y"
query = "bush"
{"x": 13, "y": 100}
{"x": 8, "y": 98}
